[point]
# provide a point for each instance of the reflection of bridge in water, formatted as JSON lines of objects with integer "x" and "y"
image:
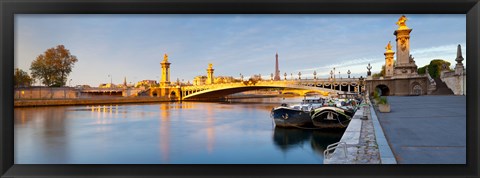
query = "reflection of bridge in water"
{"x": 216, "y": 91}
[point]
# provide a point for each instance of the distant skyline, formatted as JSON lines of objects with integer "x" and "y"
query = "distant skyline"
{"x": 133, "y": 46}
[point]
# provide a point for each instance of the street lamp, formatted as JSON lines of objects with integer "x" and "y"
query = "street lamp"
{"x": 271, "y": 76}
{"x": 334, "y": 73}
{"x": 361, "y": 84}
{"x": 285, "y": 75}
{"x": 291, "y": 76}
{"x": 241, "y": 77}
{"x": 331, "y": 74}
{"x": 315, "y": 75}
{"x": 348, "y": 72}
{"x": 369, "y": 72}
{"x": 299, "y": 76}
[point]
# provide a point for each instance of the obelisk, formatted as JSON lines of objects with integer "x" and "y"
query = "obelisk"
{"x": 277, "y": 71}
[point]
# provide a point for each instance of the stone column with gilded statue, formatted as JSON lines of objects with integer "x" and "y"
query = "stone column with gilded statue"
{"x": 210, "y": 78}
{"x": 165, "y": 80}
{"x": 389, "y": 61}
{"x": 405, "y": 65}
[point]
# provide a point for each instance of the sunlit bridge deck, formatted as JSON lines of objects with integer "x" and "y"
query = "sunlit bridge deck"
{"x": 322, "y": 86}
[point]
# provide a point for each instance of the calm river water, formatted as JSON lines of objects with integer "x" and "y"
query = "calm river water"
{"x": 236, "y": 132}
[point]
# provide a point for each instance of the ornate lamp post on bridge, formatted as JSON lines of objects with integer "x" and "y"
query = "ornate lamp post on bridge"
{"x": 271, "y": 76}
{"x": 332, "y": 79}
{"x": 291, "y": 76}
{"x": 285, "y": 75}
{"x": 348, "y": 72}
{"x": 334, "y": 73}
{"x": 299, "y": 76}
{"x": 241, "y": 77}
{"x": 369, "y": 72}
{"x": 362, "y": 80}
{"x": 315, "y": 75}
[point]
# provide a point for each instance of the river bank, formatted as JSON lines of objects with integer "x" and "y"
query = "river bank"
{"x": 87, "y": 101}
{"x": 119, "y": 100}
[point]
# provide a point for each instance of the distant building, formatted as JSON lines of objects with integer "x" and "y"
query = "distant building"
{"x": 146, "y": 83}
{"x": 107, "y": 85}
{"x": 224, "y": 79}
{"x": 82, "y": 86}
{"x": 202, "y": 80}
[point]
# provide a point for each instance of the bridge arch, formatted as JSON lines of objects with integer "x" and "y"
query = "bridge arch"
{"x": 218, "y": 91}
{"x": 173, "y": 95}
{"x": 383, "y": 90}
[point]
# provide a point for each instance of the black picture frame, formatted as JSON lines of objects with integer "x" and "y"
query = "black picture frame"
{"x": 8, "y": 8}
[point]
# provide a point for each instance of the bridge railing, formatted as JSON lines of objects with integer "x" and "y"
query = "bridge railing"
{"x": 272, "y": 83}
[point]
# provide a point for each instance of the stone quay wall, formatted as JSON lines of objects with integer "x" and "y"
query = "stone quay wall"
{"x": 46, "y": 93}
{"x": 88, "y": 101}
{"x": 364, "y": 142}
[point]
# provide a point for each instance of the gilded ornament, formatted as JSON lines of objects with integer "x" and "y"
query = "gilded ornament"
{"x": 401, "y": 22}
{"x": 389, "y": 46}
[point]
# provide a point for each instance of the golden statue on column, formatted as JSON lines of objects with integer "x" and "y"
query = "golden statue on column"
{"x": 165, "y": 57}
{"x": 401, "y": 22}
{"x": 389, "y": 46}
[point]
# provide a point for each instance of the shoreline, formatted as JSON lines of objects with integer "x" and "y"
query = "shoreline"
{"x": 113, "y": 100}
{"x": 87, "y": 101}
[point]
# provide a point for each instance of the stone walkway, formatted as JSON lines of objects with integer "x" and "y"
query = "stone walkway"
{"x": 426, "y": 129}
{"x": 362, "y": 147}
{"x": 368, "y": 152}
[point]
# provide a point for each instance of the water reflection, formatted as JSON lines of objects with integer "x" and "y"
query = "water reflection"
{"x": 291, "y": 138}
{"x": 41, "y": 123}
{"x": 234, "y": 132}
{"x": 164, "y": 132}
{"x": 210, "y": 129}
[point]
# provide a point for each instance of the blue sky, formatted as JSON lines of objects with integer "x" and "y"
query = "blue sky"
{"x": 132, "y": 46}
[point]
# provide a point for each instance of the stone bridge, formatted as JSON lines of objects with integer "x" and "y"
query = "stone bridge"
{"x": 216, "y": 91}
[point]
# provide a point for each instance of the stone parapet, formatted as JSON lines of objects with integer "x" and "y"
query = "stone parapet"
{"x": 87, "y": 101}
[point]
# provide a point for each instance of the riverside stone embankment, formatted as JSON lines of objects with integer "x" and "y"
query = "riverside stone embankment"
{"x": 364, "y": 142}
{"x": 86, "y": 101}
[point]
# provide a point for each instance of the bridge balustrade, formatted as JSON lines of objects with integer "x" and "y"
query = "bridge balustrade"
{"x": 310, "y": 84}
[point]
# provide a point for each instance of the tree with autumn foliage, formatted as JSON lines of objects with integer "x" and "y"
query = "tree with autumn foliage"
{"x": 21, "y": 78}
{"x": 381, "y": 74}
{"x": 53, "y": 66}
